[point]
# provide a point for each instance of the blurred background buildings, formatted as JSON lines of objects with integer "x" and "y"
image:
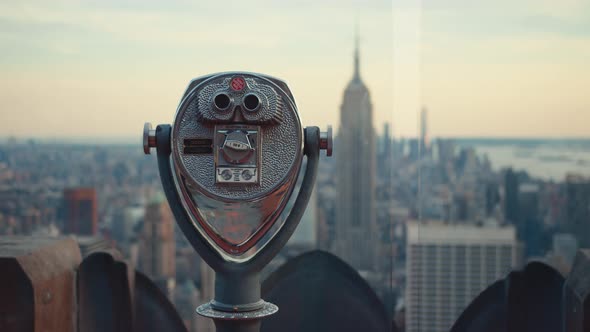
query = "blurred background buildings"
{"x": 428, "y": 221}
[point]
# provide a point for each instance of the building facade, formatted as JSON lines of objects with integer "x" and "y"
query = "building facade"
{"x": 157, "y": 247}
{"x": 355, "y": 225}
{"x": 447, "y": 266}
{"x": 80, "y": 211}
{"x": 424, "y": 138}
{"x": 578, "y": 208}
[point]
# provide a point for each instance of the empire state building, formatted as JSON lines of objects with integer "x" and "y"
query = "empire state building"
{"x": 355, "y": 231}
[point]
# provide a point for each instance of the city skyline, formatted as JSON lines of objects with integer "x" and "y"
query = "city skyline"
{"x": 101, "y": 69}
{"x": 490, "y": 171}
{"x": 458, "y": 188}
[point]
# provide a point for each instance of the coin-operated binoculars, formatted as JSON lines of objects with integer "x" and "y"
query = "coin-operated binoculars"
{"x": 228, "y": 165}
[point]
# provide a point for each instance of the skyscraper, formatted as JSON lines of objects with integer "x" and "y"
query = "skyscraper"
{"x": 355, "y": 236}
{"x": 448, "y": 265}
{"x": 80, "y": 211}
{"x": 578, "y": 208}
{"x": 157, "y": 246}
{"x": 424, "y": 139}
{"x": 529, "y": 228}
{"x": 385, "y": 156}
{"x": 511, "y": 196}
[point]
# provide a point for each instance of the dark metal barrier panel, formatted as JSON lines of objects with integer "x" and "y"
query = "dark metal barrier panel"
{"x": 576, "y": 294}
{"x": 37, "y": 284}
{"x": 317, "y": 291}
{"x": 536, "y": 299}
{"x": 46, "y": 286}
{"x": 17, "y": 312}
{"x": 104, "y": 295}
{"x": 153, "y": 312}
{"x": 527, "y": 300}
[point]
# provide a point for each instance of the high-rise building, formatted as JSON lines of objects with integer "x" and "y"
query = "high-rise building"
{"x": 387, "y": 139}
{"x": 157, "y": 247}
{"x": 511, "y": 196}
{"x": 385, "y": 156}
{"x": 414, "y": 149}
{"x": 529, "y": 227}
{"x": 448, "y": 265}
{"x": 80, "y": 211}
{"x": 492, "y": 196}
{"x": 578, "y": 208}
{"x": 565, "y": 245}
{"x": 125, "y": 220}
{"x": 355, "y": 237}
{"x": 327, "y": 200}
{"x": 424, "y": 138}
{"x": 528, "y": 201}
{"x": 446, "y": 151}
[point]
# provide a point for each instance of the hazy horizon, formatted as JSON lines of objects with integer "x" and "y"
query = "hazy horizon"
{"x": 105, "y": 140}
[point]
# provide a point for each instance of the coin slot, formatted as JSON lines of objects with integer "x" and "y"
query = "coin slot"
{"x": 198, "y": 146}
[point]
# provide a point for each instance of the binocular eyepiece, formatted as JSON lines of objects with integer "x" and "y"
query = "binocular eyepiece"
{"x": 250, "y": 102}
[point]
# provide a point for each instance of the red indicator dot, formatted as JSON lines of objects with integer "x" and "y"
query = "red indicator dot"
{"x": 237, "y": 83}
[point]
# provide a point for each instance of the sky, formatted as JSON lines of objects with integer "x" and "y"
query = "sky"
{"x": 100, "y": 69}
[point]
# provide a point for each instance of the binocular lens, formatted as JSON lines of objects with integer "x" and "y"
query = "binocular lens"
{"x": 222, "y": 101}
{"x": 251, "y": 102}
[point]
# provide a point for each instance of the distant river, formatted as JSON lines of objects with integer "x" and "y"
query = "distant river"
{"x": 546, "y": 159}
